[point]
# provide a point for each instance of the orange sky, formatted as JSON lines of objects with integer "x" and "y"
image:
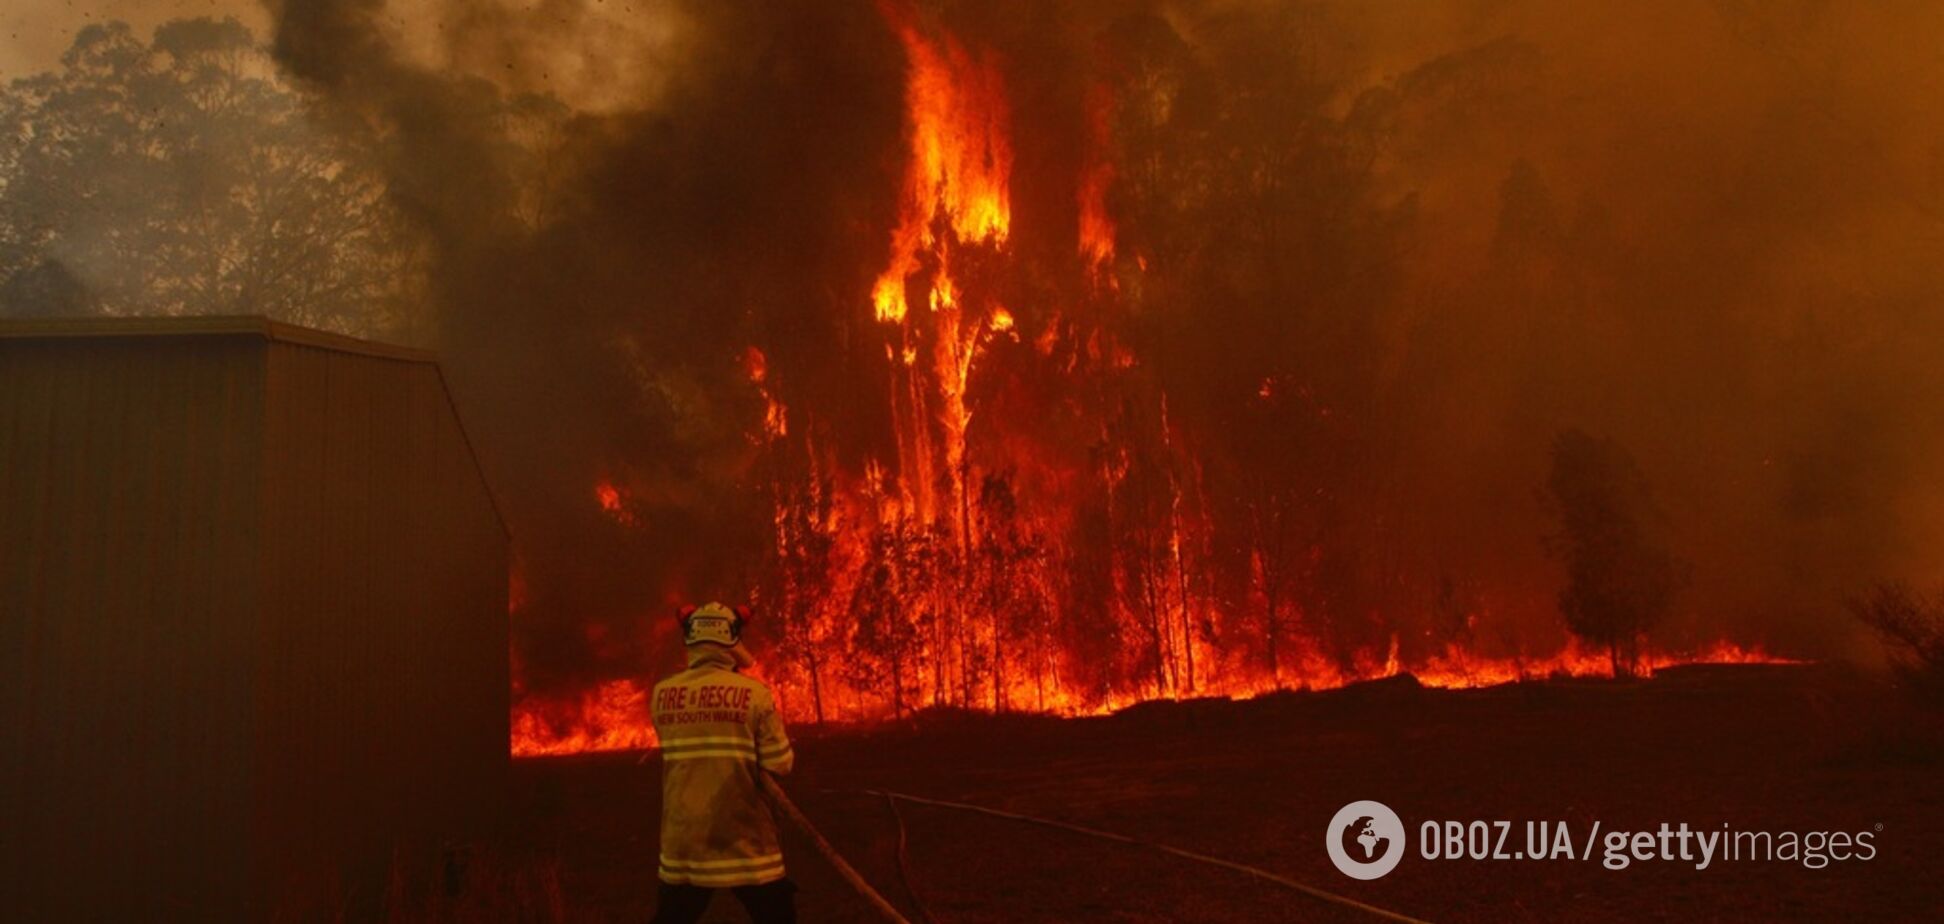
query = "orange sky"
{"x": 33, "y": 33}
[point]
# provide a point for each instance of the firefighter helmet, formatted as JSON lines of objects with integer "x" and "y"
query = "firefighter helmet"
{"x": 712, "y": 623}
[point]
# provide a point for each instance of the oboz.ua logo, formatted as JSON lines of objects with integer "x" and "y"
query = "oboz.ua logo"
{"x": 1365, "y": 839}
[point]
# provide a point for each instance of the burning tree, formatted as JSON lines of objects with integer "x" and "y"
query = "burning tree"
{"x": 1128, "y": 354}
{"x": 887, "y": 637}
{"x": 1011, "y": 590}
{"x": 798, "y": 589}
{"x": 1620, "y": 579}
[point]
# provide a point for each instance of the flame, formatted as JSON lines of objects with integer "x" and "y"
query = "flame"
{"x": 755, "y": 365}
{"x": 940, "y": 555}
{"x": 614, "y": 502}
{"x": 776, "y": 418}
{"x": 955, "y": 197}
{"x": 613, "y": 716}
{"x": 1096, "y": 225}
{"x": 959, "y": 163}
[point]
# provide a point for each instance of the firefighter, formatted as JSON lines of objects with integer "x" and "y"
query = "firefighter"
{"x": 719, "y": 729}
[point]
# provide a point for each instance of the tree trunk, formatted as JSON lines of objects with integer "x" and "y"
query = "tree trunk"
{"x": 998, "y": 666}
{"x": 1187, "y": 624}
{"x": 897, "y": 688}
{"x": 1153, "y": 602}
{"x": 938, "y": 645}
{"x": 1039, "y": 679}
{"x": 816, "y": 687}
{"x": 1272, "y": 628}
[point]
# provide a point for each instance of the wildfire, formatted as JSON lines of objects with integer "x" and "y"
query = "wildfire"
{"x": 960, "y": 160}
{"x": 610, "y": 717}
{"x": 1066, "y": 556}
{"x": 614, "y": 715}
{"x": 776, "y": 420}
{"x": 1096, "y": 225}
{"x": 613, "y": 501}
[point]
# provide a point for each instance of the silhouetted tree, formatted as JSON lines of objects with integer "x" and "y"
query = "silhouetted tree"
{"x": 1009, "y": 559}
{"x": 798, "y": 583}
{"x": 181, "y": 176}
{"x": 1911, "y": 625}
{"x": 886, "y": 638}
{"x": 1620, "y": 579}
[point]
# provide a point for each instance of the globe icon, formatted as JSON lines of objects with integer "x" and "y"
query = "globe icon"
{"x": 1365, "y": 839}
{"x": 1363, "y": 831}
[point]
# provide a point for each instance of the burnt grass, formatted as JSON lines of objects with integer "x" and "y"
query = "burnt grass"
{"x": 1763, "y": 748}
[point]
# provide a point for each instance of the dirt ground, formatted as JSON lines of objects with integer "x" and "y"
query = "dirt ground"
{"x": 1757, "y": 748}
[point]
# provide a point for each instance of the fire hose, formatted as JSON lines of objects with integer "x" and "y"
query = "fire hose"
{"x": 856, "y": 881}
{"x": 1244, "y": 868}
{"x": 837, "y": 861}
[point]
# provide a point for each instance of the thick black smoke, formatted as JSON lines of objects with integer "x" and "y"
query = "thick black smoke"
{"x": 600, "y": 275}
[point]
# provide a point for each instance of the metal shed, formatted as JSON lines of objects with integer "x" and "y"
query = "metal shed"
{"x": 253, "y": 618}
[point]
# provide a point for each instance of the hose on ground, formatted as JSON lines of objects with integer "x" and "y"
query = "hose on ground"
{"x": 904, "y": 865}
{"x": 1262, "y": 874}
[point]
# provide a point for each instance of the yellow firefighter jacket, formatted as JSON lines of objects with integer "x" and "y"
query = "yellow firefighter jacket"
{"x": 716, "y": 728}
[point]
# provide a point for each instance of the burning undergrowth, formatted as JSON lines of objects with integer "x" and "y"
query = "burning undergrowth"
{"x": 1032, "y": 356}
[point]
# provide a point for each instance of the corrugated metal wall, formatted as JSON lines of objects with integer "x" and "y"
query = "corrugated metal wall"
{"x": 252, "y": 624}
{"x": 388, "y": 550}
{"x": 128, "y": 588}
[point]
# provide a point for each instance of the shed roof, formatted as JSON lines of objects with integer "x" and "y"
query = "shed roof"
{"x": 205, "y": 325}
{"x": 248, "y": 326}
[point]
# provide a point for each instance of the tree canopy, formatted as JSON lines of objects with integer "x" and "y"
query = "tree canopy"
{"x": 182, "y": 176}
{"x": 1621, "y": 579}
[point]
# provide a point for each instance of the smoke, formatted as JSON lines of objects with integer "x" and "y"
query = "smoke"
{"x": 34, "y": 33}
{"x": 1697, "y": 230}
{"x": 1375, "y": 257}
{"x": 601, "y": 274}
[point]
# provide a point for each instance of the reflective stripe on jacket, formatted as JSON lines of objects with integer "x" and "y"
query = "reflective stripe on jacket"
{"x": 717, "y": 727}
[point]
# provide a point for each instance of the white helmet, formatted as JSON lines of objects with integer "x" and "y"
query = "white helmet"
{"x": 712, "y": 623}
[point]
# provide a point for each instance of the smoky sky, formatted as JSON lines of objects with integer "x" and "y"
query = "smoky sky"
{"x": 1388, "y": 250}
{"x": 34, "y": 33}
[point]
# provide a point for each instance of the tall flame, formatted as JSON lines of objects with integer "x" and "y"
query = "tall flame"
{"x": 1096, "y": 177}
{"x": 959, "y": 164}
{"x": 926, "y": 566}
